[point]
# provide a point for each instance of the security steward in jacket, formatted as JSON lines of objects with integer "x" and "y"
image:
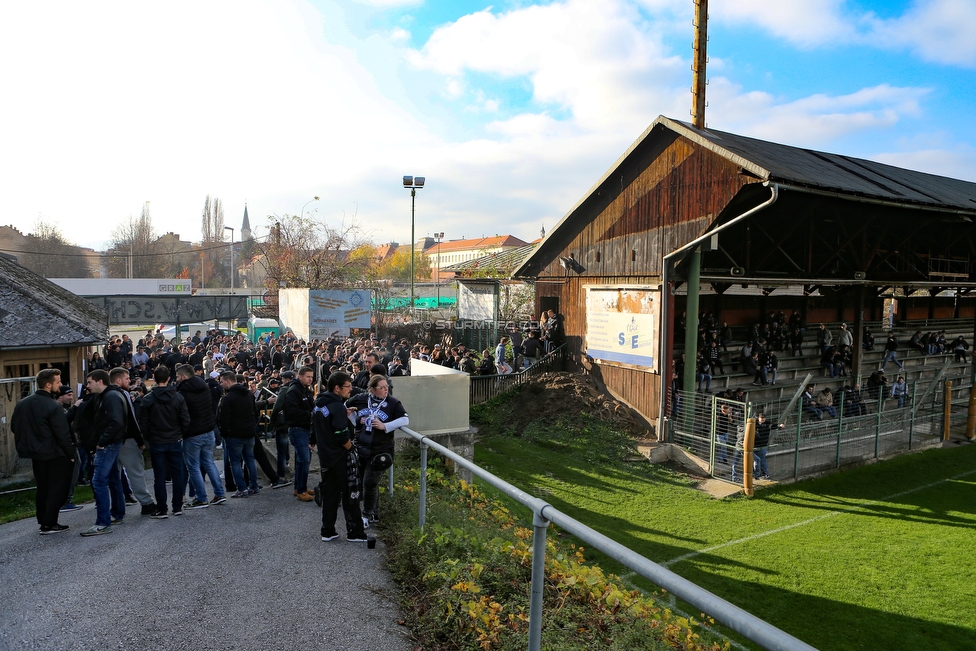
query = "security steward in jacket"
{"x": 332, "y": 435}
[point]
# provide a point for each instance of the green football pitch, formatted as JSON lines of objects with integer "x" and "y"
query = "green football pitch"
{"x": 876, "y": 557}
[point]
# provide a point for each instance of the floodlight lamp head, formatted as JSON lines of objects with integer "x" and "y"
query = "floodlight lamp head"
{"x": 407, "y": 181}
{"x": 418, "y": 181}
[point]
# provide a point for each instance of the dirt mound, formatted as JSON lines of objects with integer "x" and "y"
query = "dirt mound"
{"x": 551, "y": 396}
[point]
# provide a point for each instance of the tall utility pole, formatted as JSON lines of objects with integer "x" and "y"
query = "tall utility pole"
{"x": 698, "y": 67}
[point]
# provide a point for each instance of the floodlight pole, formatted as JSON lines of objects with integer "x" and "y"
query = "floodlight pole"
{"x": 413, "y": 183}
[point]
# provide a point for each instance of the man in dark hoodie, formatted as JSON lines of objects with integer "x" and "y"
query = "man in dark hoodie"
{"x": 163, "y": 419}
{"x": 332, "y": 435}
{"x": 42, "y": 435}
{"x": 297, "y": 406}
{"x": 110, "y": 422}
{"x": 199, "y": 441}
{"x": 238, "y": 417}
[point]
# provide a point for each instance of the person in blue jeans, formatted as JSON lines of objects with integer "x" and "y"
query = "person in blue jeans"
{"x": 238, "y": 417}
{"x": 111, "y": 420}
{"x": 891, "y": 353}
{"x": 199, "y": 442}
{"x": 163, "y": 419}
{"x": 297, "y": 405}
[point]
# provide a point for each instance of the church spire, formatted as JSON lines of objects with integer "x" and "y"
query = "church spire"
{"x": 245, "y": 227}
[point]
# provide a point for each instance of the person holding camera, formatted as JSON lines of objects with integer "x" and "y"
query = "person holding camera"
{"x": 376, "y": 414}
{"x": 332, "y": 436}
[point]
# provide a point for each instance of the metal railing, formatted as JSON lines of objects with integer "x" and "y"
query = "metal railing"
{"x": 802, "y": 444}
{"x": 485, "y": 387}
{"x": 746, "y": 624}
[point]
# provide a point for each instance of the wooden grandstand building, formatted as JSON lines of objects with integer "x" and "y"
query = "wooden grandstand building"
{"x": 697, "y": 220}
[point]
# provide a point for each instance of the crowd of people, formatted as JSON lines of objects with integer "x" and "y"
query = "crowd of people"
{"x": 181, "y": 401}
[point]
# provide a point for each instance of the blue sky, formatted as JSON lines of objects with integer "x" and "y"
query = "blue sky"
{"x": 512, "y": 110}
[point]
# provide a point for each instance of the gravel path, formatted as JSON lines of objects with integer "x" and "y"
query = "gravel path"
{"x": 249, "y": 574}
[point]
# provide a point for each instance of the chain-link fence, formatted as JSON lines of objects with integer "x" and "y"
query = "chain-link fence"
{"x": 12, "y": 390}
{"x": 807, "y": 438}
{"x": 708, "y": 427}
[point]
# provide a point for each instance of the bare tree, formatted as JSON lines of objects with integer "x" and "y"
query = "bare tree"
{"x": 304, "y": 252}
{"x": 136, "y": 240}
{"x": 216, "y": 258}
{"x": 51, "y": 255}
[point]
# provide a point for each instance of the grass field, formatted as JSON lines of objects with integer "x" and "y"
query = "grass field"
{"x": 878, "y": 557}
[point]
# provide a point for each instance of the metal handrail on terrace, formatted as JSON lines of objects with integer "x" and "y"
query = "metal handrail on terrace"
{"x": 746, "y": 624}
{"x": 485, "y": 387}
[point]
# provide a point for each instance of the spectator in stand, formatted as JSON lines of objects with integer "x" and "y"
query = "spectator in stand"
{"x": 867, "y": 339}
{"x": 824, "y": 338}
{"x": 916, "y": 342}
{"x": 744, "y": 355}
{"x": 725, "y": 336}
{"x": 899, "y": 390}
{"x": 715, "y": 358}
{"x": 827, "y": 361}
{"x": 853, "y": 402}
{"x": 751, "y": 367}
{"x": 891, "y": 352}
{"x": 877, "y": 384}
{"x": 703, "y": 372}
{"x": 809, "y": 404}
{"x": 959, "y": 347}
{"x": 796, "y": 342}
{"x": 770, "y": 367}
{"x": 845, "y": 337}
{"x": 825, "y": 401}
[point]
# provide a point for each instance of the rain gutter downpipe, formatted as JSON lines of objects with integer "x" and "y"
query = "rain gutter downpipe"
{"x": 691, "y": 329}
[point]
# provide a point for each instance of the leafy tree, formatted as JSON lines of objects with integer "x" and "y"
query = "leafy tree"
{"x": 304, "y": 252}
{"x": 397, "y": 267}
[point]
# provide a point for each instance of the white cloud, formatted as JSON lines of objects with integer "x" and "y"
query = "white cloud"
{"x": 399, "y": 35}
{"x": 942, "y": 31}
{"x": 806, "y": 23}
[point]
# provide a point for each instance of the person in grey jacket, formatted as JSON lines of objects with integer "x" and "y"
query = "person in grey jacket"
{"x": 164, "y": 419}
{"x": 41, "y": 434}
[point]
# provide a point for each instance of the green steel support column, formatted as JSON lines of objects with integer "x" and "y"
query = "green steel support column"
{"x": 691, "y": 335}
{"x": 877, "y": 426}
{"x": 911, "y": 421}
{"x": 840, "y": 424}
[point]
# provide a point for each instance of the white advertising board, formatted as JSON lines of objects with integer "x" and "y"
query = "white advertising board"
{"x": 622, "y": 325}
{"x": 331, "y": 311}
{"x": 126, "y": 286}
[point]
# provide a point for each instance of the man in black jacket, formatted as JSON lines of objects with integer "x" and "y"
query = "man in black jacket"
{"x": 238, "y": 417}
{"x": 131, "y": 453}
{"x": 111, "y": 420}
{"x": 164, "y": 420}
{"x": 41, "y": 434}
{"x": 199, "y": 440}
{"x": 332, "y": 435}
{"x": 298, "y": 404}
{"x": 281, "y": 426}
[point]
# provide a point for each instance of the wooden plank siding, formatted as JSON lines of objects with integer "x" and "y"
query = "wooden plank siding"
{"x": 659, "y": 200}
{"x": 635, "y": 387}
{"x": 667, "y": 204}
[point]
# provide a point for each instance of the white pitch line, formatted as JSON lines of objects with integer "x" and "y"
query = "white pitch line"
{"x": 851, "y": 509}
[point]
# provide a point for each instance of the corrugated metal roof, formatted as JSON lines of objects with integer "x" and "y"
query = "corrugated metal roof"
{"x": 774, "y": 162}
{"x": 40, "y": 313}
{"x": 504, "y": 261}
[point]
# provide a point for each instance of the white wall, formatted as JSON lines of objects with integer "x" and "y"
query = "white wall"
{"x": 476, "y": 301}
{"x": 293, "y": 311}
{"x": 436, "y": 398}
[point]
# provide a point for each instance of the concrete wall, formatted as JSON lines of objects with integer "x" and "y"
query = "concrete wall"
{"x": 435, "y": 397}
{"x": 293, "y": 311}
